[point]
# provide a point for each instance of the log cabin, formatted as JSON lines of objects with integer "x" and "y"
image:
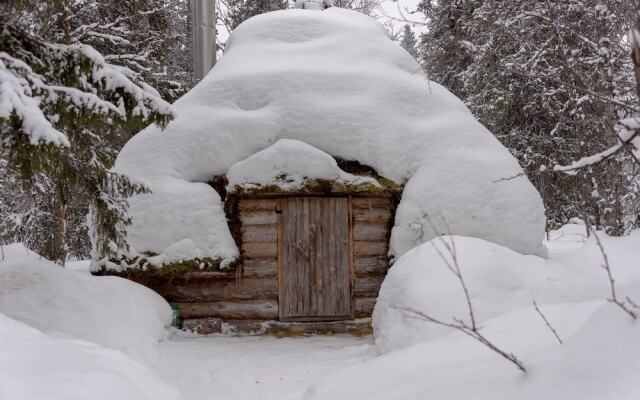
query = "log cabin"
{"x": 312, "y": 259}
{"x": 298, "y": 240}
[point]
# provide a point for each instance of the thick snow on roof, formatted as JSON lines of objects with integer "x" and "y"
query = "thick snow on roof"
{"x": 334, "y": 80}
{"x": 289, "y": 163}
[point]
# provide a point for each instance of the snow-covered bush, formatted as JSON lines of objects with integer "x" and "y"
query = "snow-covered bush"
{"x": 34, "y": 365}
{"x": 112, "y": 312}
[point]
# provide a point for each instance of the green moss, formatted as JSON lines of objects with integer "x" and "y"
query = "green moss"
{"x": 141, "y": 270}
{"x": 324, "y": 186}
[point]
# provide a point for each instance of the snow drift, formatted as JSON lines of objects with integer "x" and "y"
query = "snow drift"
{"x": 499, "y": 280}
{"x": 335, "y": 81}
{"x": 600, "y": 357}
{"x": 599, "y": 360}
{"x": 36, "y": 366}
{"x": 112, "y": 312}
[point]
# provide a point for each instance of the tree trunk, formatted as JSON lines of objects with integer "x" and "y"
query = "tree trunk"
{"x": 60, "y": 224}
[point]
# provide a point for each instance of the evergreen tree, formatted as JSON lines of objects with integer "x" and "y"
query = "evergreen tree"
{"x": 409, "y": 42}
{"x": 241, "y": 10}
{"x": 63, "y": 107}
{"x": 538, "y": 75}
{"x": 139, "y": 35}
{"x": 447, "y": 48}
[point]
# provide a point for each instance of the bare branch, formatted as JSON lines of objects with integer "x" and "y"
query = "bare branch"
{"x": 614, "y": 298}
{"x": 547, "y": 322}
{"x": 474, "y": 333}
{"x": 471, "y": 330}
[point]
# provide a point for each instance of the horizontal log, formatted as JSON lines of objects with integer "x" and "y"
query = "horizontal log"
{"x": 364, "y": 306}
{"x": 258, "y": 217}
{"x": 371, "y": 202}
{"x": 259, "y": 267}
{"x": 367, "y": 249}
{"x": 259, "y": 233}
{"x": 203, "y": 326}
{"x": 219, "y": 274}
{"x": 240, "y": 309}
{"x": 371, "y": 266}
{"x": 257, "y": 205}
{"x": 259, "y": 250}
{"x": 360, "y": 327}
{"x": 180, "y": 290}
{"x": 372, "y": 216}
{"x": 368, "y": 287}
{"x": 370, "y": 232}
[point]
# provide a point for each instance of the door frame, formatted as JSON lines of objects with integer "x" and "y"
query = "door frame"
{"x": 280, "y": 263}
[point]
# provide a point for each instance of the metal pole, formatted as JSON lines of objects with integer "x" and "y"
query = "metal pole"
{"x": 204, "y": 37}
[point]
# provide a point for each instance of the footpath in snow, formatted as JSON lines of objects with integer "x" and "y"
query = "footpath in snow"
{"x": 255, "y": 367}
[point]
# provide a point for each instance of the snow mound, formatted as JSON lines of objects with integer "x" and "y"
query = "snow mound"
{"x": 599, "y": 360}
{"x": 36, "y": 366}
{"x": 113, "y": 312}
{"x": 600, "y": 357}
{"x": 335, "y": 81}
{"x": 289, "y": 163}
{"x": 499, "y": 280}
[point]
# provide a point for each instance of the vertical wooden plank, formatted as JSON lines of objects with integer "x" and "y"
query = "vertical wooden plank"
{"x": 293, "y": 259}
{"x": 313, "y": 255}
{"x": 328, "y": 294}
{"x": 323, "y": 306}
{"x": 306, "y": 250}
{"x": 352, "y": 273}
{"x": 339, "y": 254}
{"x": 331, "y": 257}
{"x": 279, "y": 261}
{"x": 315, "y": 273}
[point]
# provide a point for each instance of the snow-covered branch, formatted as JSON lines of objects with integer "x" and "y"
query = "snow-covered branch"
{"x": 16, "y": 98}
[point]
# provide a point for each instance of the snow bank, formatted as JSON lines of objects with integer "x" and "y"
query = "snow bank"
{"x": 112, "y": 312}
{"x": 600, "y": 360}
{"x": 36, "y": 366}
{"x": 334, "y": 80}
{"x": 290, "y": 164}
{"x": 499, "y": 280}
{"x": 600, "y": 357}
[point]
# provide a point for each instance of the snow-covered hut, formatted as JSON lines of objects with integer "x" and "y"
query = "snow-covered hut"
{"x": 313, "y": 154}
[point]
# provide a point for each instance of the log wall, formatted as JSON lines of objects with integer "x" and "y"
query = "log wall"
{"x": 251, "y": 292}
{"x": 372, "y": 221}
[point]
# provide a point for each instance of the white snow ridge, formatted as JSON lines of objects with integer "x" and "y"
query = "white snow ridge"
{"x": 335, "y": 81}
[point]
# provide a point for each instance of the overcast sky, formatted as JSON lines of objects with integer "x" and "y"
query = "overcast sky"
{"x": 389, "y": 15}
{"x": 390, "y": 9}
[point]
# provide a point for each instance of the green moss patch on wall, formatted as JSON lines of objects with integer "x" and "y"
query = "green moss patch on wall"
{"x": 141, "y": 270}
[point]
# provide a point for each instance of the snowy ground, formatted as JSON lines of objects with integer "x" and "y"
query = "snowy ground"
{"x": 62, "y": 327}
{"x": 256, "y": 368}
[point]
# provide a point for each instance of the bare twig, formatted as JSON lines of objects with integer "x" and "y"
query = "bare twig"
{"x": 614, "y": 298}
{"x": 547, "y": 322}
{"x": 472, "y": 330}
{"x": 474, "y": 333}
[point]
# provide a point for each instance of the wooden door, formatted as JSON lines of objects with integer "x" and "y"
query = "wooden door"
{"x": 315, "y": 259}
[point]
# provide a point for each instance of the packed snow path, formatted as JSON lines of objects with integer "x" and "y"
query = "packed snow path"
{"x": 256, "y": 368}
